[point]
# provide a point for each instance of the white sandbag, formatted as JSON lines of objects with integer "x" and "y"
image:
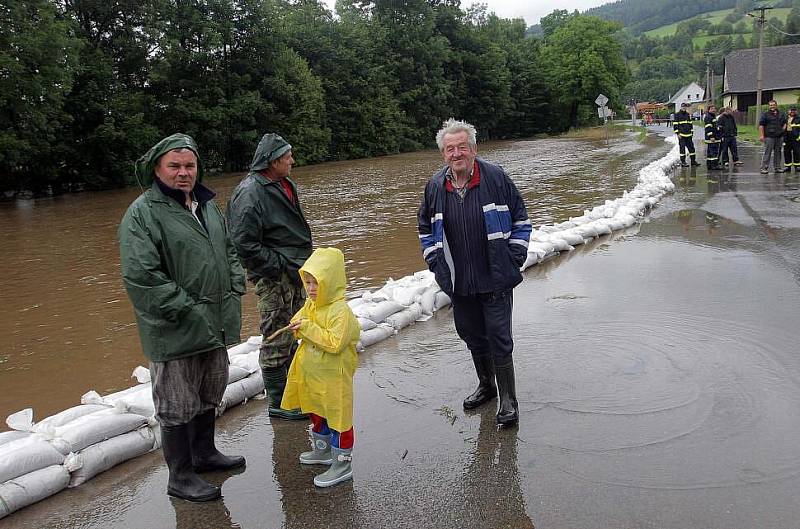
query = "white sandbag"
{"x": 428, "y": 299}
{"x": 379, "y": 311}
{"x": 587, "y": 231}
{"x": 572, "y": 237}
{"x": 100, "y": 457}
{"x": 96, "y": 427}
{"x": 25, "y": 455}
{"x": 366, "y": 324}
{"x": 531, "y": 259}
{"x": 442, "y": 300}
{"x": 542, "y": 247}
{"x": 32, "y": 487}
{"x": 601, "y": 226}
{"x": 379, "y": 333}
{"x": 240, "y": 349}
{"x": 239, "y": 392}
{"x": 255, "y": 340}
{"x": 247, "y": 361}
{"x": 62, "y": 418}
{"x": 7, "y": 437}
{"x": 136, "y": 399}
{"x": 355, "y": 302}
{"x": 236, "y": 373}
{"x": 405, "y": 317}
{"x": 560, "y": 244}
{"x": 405, "y": 295}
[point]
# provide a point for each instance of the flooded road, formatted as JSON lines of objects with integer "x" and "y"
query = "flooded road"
{"x": 658, "y": 381}
{"x": 66, "y": 326}
{"x": 659, "y": 388}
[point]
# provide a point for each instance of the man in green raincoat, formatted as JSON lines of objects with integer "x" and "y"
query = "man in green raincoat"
{"x": 273, "y": 240}
{"x": 185, "y": 282}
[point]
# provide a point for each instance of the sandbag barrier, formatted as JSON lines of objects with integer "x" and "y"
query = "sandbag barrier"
{"x": 40, "y": 459}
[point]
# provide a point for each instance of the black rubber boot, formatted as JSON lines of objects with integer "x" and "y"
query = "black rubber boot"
{"x": 274, "y": 383}
{"x": 508, "y": 414}
{"x": 205, "y": 456}
{"x": 184, "y": 483}
{"x": 693, "y": 161}
{"x": 484, "y": 367}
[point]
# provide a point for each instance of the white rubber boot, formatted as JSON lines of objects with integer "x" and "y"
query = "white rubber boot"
{"x": 340, "y": 469}
{"x": 320, "y": 453}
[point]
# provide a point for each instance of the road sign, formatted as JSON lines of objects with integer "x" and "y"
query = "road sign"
{"x": 601, "y": 100}
{"x": 604, "y": 112}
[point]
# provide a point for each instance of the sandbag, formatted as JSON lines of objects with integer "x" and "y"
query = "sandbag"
{"x": 406, "y": 295}
{"x": 428, "y": 299}
{"x": 50, "y": 423}
{"x": 248, "y": 361}
{"x": 405, "y": 317}
{"x": 366, "y": 324}
{"x": 7, "y": 437}
{"x": 379, "y": 333}
{"x": 25, "y": 455}
{"x": 242, "y": 348}
{"x": 442, "y": 300}
{"x": 379, "y": 311}
{"x": 241, "y": 391}
{"x": 137, "y": 399}
{"x": 236, "y": 373}
{"x": 96, "y": 427}
{"x": 99, "y": 457}
{"x": 32, "y": 487}
{"x": 572, "y": 237}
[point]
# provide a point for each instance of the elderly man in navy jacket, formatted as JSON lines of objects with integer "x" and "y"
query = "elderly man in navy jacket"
{"x": 474, "y": 231}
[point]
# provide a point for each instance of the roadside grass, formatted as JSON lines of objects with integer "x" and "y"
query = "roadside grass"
{"x": 748, "y": 133}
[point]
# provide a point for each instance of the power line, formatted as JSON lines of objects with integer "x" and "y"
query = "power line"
{"x": 783, "y": 32}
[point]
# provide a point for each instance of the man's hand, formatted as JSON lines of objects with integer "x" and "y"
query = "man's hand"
{"x": 761, "y": 139}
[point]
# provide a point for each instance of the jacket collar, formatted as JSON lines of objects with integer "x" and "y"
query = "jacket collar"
{"x": 200, "y": 193}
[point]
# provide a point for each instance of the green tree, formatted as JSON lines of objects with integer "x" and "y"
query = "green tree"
{"x": 37, "y": 62}
{"x": 584, "y": 59}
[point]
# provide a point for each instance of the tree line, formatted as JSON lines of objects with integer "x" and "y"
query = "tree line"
{"x": 86, "y": 86}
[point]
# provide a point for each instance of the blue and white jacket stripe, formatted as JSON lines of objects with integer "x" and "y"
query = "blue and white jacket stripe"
{"x": 508, "y": 228}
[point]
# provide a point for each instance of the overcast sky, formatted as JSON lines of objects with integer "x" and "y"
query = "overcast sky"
{"x": 530, "y": 10}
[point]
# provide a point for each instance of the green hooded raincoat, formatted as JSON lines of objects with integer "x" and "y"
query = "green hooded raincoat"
{"x": 184, "y": 281}
{"x": 320, "y": 379}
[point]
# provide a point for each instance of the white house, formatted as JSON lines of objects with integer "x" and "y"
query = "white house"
{"x": 692, "y": 93}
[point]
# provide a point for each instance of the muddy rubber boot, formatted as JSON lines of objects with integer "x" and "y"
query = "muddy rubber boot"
{"x": 340, "y": 469}
{"x": 320, "y": 453}
{"x": 484, "y": 367}
{"x": 205, "y": 456}
{"x": 508, "y": 414}
{"x": 274, "y": 383}
{"x": 693, "y": 161}
{"x": 184, "y": 483}
{"x": 683, "y": 162}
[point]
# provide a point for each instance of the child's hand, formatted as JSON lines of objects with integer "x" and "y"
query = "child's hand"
{"x": 295, "y": 325}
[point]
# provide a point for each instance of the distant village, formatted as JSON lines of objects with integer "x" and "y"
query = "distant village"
{"x": 735, "y": 88}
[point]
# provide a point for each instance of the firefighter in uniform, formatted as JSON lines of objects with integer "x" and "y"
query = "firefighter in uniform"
{"x": 685, "y": 130}
{"x": 712, "y": 138}
{"x": 791, "y": 145}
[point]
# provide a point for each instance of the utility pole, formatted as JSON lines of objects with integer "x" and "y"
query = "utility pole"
{"x": 760, "y": 78}
{"x": 708, "y": 82}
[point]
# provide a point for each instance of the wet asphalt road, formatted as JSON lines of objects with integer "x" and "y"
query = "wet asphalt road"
{"x": 658, "y": 380}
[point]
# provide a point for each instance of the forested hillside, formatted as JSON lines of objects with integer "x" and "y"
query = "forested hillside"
{"x": 641, "y": 15}
{"x": 671, "y": 55}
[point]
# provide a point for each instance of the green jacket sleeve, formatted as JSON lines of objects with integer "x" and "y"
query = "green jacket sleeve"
{"x": 238, "y": 284}
{"x": 151, "y": 291}
{"x": 245, "y": 219}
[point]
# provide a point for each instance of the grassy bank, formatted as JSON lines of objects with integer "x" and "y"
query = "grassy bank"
{"x": 748, "y": 133}
{"x": 615, "y": 130}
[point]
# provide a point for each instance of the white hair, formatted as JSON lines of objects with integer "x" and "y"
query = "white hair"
{"x": 454, "y": 126}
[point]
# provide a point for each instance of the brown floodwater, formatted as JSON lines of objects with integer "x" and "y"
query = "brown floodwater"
{"x": 66, "y": 326}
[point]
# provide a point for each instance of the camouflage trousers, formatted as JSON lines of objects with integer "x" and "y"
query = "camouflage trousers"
{"x": 278, "y": 300}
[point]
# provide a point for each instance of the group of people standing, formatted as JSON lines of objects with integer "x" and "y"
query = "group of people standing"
{"x": 779, "y": 133}
{"x": 184, "y": 266}
{"x": 776, "y": 130}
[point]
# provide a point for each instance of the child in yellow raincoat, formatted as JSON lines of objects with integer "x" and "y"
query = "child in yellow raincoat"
{"x": 320, "y": 380}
